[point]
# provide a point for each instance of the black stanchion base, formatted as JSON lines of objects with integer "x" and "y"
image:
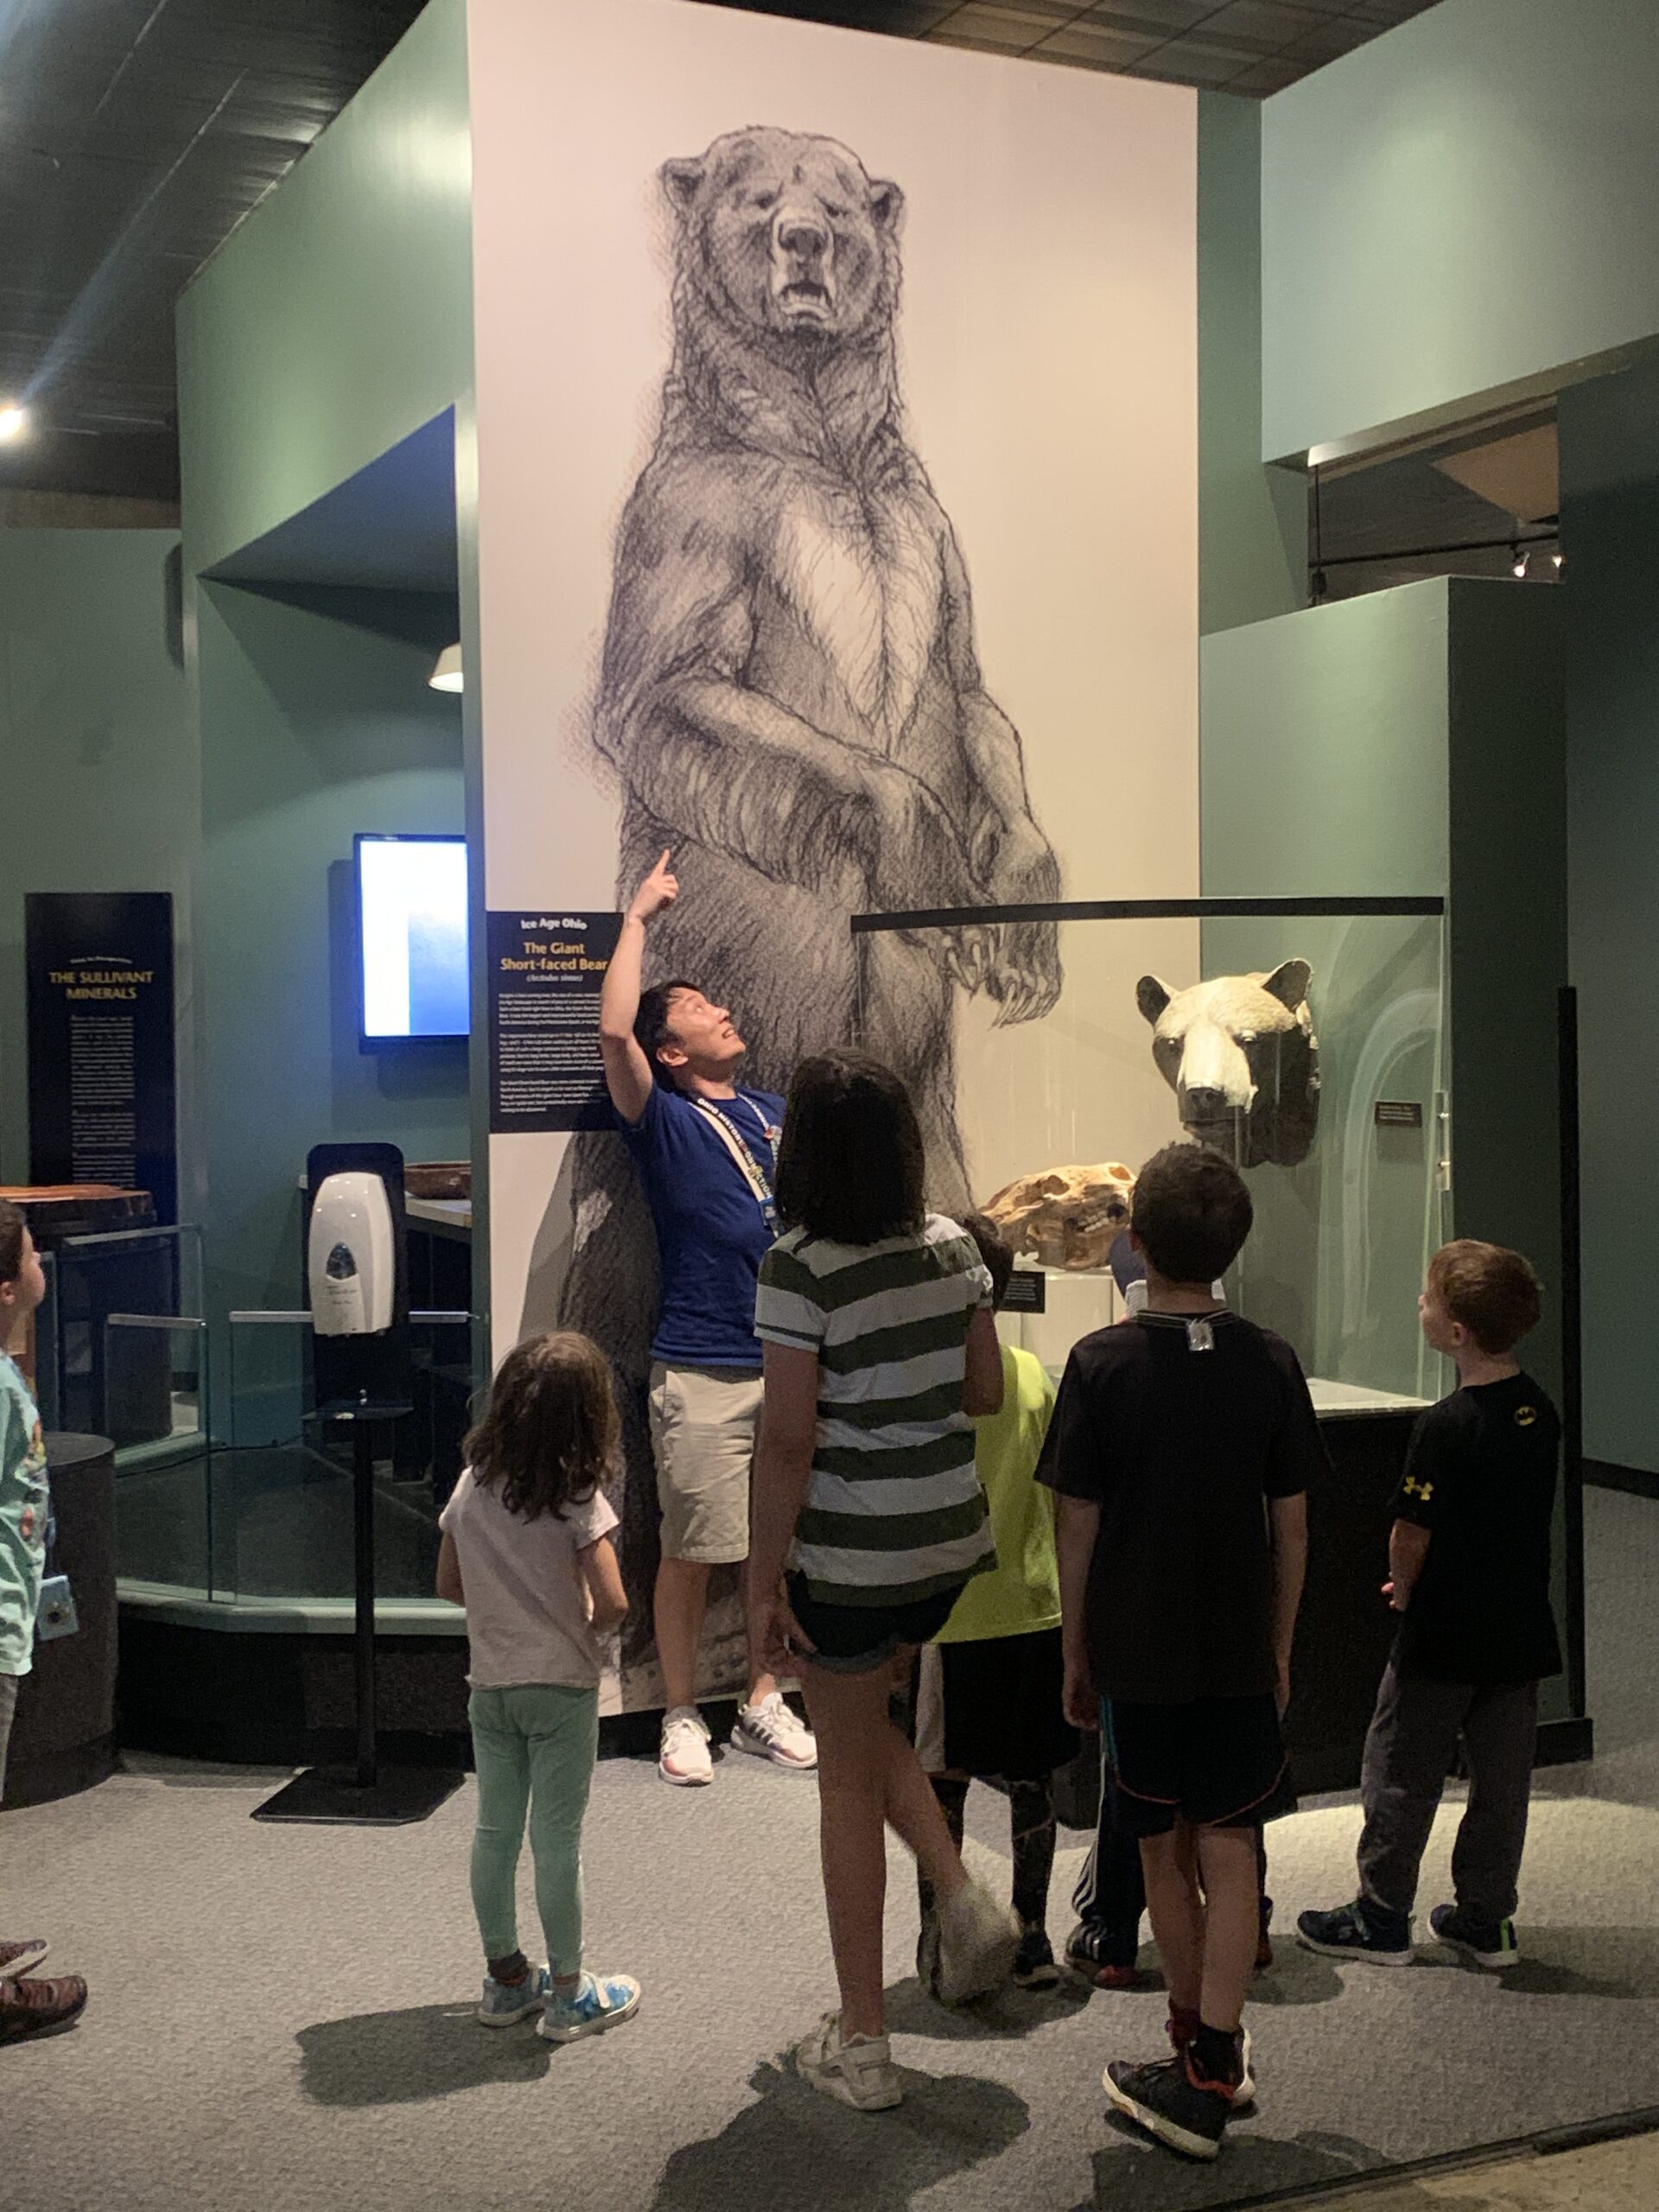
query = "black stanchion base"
{"x": 333, "y": 1795}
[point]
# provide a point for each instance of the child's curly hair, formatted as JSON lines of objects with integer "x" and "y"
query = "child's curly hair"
{"x": 550, "y": 1432}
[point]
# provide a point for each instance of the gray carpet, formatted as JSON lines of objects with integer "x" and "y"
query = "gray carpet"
{"x": 280, "y": 2015}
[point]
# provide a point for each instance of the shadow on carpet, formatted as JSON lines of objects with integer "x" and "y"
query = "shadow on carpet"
{"x": 1131, "y": 2170}
{"x": 407, "y": 2058}
{"x": 795, "y": 2150}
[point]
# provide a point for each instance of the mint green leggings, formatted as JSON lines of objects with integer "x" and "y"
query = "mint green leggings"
{"x": 534, "y": 1748}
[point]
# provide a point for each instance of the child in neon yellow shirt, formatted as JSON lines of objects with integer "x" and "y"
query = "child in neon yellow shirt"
{"x": 987, "y": 1700}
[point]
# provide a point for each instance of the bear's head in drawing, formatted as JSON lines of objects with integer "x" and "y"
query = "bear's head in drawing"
{"x": 786, "y": 237}
{"x": 1240, "y": 1054}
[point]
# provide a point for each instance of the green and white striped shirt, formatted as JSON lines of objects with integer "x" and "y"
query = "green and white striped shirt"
{"x": 895, "y": 1511}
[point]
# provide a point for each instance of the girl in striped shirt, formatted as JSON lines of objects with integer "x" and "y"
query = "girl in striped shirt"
{"x": 869, "y": 1517}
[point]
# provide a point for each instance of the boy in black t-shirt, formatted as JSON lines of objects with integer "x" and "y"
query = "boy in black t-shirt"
{"x": 1469, "y": 1573}
{"x": 1182, "y": 1446}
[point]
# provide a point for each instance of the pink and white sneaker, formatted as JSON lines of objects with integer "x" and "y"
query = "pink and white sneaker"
{"x": 772, "y": 1731}
{"x": 683, "y": 1757}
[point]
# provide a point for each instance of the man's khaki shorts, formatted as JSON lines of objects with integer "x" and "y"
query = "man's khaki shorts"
{"x": 702, "y": 1426}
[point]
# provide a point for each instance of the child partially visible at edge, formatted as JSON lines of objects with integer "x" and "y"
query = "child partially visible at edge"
{"x": 29, "y": 2006}
{"x": 988, "y": 1687}
{"x": 1469, "y": 1575}
{"x": 1182, "y": 1446}
{"x": 527, "y": 1548}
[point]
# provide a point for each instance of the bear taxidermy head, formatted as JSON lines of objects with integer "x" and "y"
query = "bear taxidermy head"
{"x": 786, "y": 238}
{"x": 1240, "y": 1054}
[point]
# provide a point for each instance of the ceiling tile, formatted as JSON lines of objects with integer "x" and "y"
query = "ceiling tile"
{"x": 1096, "y": 44}
{"x": 1264, "y": 78}
{"x": 1191, "y": 61}
{"x": 1164, "y": 16}
{"x": 1327, "y": 40}
{"x": 1262, "y": 27}
{"x": 1000, "y": 16}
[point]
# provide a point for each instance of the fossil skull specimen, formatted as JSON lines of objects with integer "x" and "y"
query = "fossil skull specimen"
{"x": 1068, "y": 1216}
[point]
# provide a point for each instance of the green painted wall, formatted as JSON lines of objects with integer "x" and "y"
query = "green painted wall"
{"x": 1610, "y": 520}
{"x": 1454, "y": 208}
{"x": 335, "y": 730}
{"x": 1323, "y": 750}
{"x": 98, "y": 741}
{"x": 1252, "y": 520}
{"x": 338, "y": 317}
{"x": 1410, "y": 741}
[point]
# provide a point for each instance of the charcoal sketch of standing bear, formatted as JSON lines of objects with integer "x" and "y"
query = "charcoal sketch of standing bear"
{"x": 790, "y": 689}
{"x": 789, "y": 697}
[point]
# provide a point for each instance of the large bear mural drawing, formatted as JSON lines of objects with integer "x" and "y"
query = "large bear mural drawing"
{"x": 789, "y": 698}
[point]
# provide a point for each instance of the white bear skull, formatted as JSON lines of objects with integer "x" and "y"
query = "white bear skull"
{"x": 1240, "y": 1054}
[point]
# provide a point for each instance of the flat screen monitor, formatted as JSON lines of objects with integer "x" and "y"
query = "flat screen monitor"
{"x": 411, "y": 916}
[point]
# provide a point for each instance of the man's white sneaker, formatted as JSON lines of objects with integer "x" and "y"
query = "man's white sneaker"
{"x": 771, "y": 1731}
{"x": 684, "y": 1758}
{"x": 860, "y": 2072}
{"x": 978, "y": 1941}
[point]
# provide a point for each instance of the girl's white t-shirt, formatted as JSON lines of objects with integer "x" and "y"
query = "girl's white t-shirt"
{"x": 527, "y": 1611}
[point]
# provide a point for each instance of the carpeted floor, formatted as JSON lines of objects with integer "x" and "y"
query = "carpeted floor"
{"x": 281, "y": 2017}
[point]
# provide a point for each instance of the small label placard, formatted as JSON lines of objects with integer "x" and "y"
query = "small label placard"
{"x": 1027, "y": 1292}
{"x": 1399, "y": 1114}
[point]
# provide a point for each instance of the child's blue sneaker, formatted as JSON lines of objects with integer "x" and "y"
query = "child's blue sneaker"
{"x": 505, "y": 2002}
{"x": 599, "y": 2001}
{"x": 1360, "y": 1930}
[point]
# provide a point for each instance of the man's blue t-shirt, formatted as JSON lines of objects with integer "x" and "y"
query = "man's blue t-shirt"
{"x": 712, "y": 1231}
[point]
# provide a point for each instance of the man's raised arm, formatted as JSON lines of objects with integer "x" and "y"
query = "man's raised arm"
{"x": 627, "y": 1071}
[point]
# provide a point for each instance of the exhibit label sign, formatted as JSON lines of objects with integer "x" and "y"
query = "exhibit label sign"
{"x": 102, "y": 1086}
{"x": 546, "y": 972}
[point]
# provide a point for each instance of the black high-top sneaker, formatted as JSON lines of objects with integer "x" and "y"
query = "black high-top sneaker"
{"x": 1171, "y": 2103}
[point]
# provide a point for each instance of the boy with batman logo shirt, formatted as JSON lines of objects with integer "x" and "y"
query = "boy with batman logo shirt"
{"x": 1469, "y": 1574}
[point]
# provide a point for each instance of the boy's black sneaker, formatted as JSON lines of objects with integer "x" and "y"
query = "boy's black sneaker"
{"x": 1165, "y": 2099}
{"x": 1490, "y": 1943}
{"x": 1090, "y": 1951}
{"x": 1033, "y": 1962}
{"x": 1360, "y": 1930}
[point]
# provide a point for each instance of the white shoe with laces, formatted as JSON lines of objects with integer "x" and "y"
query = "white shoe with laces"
{"x": 684, "y": 1758}
{"x": 772, "y": 1730}
{"x": 858, "y": 2072}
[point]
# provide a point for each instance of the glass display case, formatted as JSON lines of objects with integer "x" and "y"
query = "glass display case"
{"x": 1305, "y": 1039}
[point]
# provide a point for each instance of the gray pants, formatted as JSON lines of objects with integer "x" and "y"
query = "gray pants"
{"x": 7, "y": 1707}
{"x": 1409, "y": 1752}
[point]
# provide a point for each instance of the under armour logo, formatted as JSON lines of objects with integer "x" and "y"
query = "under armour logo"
{"x": 1415, "y": 1488}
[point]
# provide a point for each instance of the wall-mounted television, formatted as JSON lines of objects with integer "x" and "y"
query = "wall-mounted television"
{"x": 411, "y": 928}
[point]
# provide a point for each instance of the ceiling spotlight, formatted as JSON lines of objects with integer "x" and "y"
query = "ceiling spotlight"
{"x": 1557, "y": 557}
{"x": 447, "y": 674}
{"x": 1520, "y": 561}
{"x": 14, "y": 421}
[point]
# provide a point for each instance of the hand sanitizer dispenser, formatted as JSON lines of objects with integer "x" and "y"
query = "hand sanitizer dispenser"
{"x": 351, "y": 1257}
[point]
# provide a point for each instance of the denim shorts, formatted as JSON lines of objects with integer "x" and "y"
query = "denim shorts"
{"x": 855, "y": 1639}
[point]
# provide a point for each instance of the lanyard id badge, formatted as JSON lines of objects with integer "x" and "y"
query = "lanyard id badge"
{"x": 747, "y": 1165}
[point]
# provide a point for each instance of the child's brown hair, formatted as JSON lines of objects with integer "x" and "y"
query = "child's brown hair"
{"x": 12, "y": 1226}
{"x": 1191, "y": 1213}
{"x": 550, "y": 1432}
{"x": 1495, "y": 1292}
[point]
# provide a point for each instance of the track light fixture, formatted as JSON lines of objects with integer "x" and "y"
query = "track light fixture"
{"x": 1520, "y": 560}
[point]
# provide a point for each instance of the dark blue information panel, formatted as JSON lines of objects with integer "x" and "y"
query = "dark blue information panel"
{"x": 102, "y": 1088}
{"x": 547, "y": 969}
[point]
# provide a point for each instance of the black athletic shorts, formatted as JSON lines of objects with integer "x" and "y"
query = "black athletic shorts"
{"x": 854, "y": 1639}
{"x": 1215, "y": 1763}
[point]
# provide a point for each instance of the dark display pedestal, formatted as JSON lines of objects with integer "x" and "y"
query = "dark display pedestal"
{"x": 63, "y": 1738}
{"x": 368, "y": 1792}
